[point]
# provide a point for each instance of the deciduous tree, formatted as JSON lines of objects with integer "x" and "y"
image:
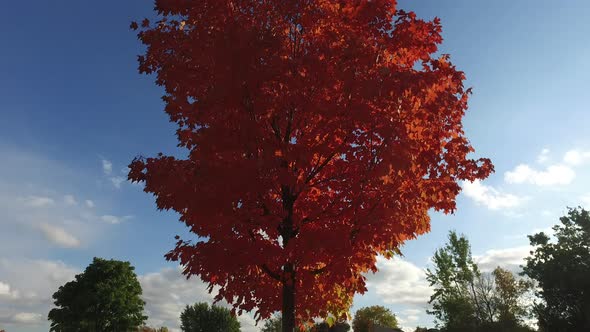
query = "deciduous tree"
{"x": 561, "y": 268}
{"x": 319, "y": 134}
{"x": 326, "y": 327}
{"x": 510, "y": 294}
{"x": 202, "y": 318}
{"x": 466, "y": 299}
{"x": 453, "y": 278}
{"x": 366, "y": 318}
{"x": 105, "y": 297}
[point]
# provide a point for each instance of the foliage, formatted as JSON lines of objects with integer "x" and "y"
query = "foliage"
{"x": 202, "y": 318}
{"x": 561, "y": 269}
{"x": 105, "y": 297}
{"x": 465, "y": 299}
{"x": 317, "y": 132}
{"x": 453, "y": 279}
{"x": 325, "y": 327}
{"x": 367, "y": 317}
{"x": 508, "y": 297}
{"x": 273, "y": 324}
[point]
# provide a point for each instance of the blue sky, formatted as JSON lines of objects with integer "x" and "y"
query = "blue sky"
{"x": 74, "y": 112}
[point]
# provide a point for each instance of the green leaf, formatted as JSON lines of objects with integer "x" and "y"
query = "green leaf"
{"x": 331, "y": 321}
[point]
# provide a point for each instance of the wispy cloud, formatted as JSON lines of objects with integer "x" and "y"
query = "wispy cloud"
{"x": 543, "y": 157}
{"x": 117, "y": 181}
{"x": 59, "y": 236}
{"x": 38, "y": 201}
{"x": 110, "y": 219}
{"x": 70, "y": 200}
{"x": 28, "y": 318}
{"x": 107, "y": 167}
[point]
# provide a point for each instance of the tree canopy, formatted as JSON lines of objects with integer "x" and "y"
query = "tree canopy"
{"x": 367, "y": 317}
{"x": 201, "y": 317}
{"x": 325, "y": 327}
{"x": 561, "y": 268}
{"x": 104, "y": 298}
{"x": 466, "y": 299}
{"x": 319, "y": 134}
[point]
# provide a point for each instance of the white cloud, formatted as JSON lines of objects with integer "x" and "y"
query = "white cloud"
{"x": 543, "y": 157}
{"x": 31, "y": 216}
{"x": 107, "y": 167}
{"x": 576, "y": 157}
{"x": 34, "y": 281}
{"x": 489, "y": 196}
{"x": 7, "y": 292}
{"x": 552, "y": 175}
{"x": 117, "y": 181}
{"x": 409, "y": 318}
{"x": 89, "y": 203}
{"x": 27, "y": 318}
{"x": 110, "y": 219}
{"x": 399, "y": 281}
{"x": 59, "y": 236}
{"x": 70, "y": 200}
{"x": 38, "y": 201}
{"x": 167, "y": 292}
{"x": 508, "y": 258}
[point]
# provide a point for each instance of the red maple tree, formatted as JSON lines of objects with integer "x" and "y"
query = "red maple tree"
{"x": 319, "y": 134}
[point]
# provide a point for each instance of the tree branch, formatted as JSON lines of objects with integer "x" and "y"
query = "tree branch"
{"x": 270, "y": 273}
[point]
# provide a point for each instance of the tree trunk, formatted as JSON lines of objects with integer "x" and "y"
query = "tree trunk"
{"x": 288, "y": 310}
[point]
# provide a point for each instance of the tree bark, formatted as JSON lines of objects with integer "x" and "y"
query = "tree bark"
{"x": 288, "y": 277}
{"x": 288, "y": 310}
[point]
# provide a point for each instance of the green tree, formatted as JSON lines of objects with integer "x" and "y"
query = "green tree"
{"x": 561, "y": 269}
{"x": 454, "y": 278}
{"x": 105, "y": 297}
{"x": 465, "y": 299}
{"x": 201, "y": 317}
{"x": 367, "y": 317}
